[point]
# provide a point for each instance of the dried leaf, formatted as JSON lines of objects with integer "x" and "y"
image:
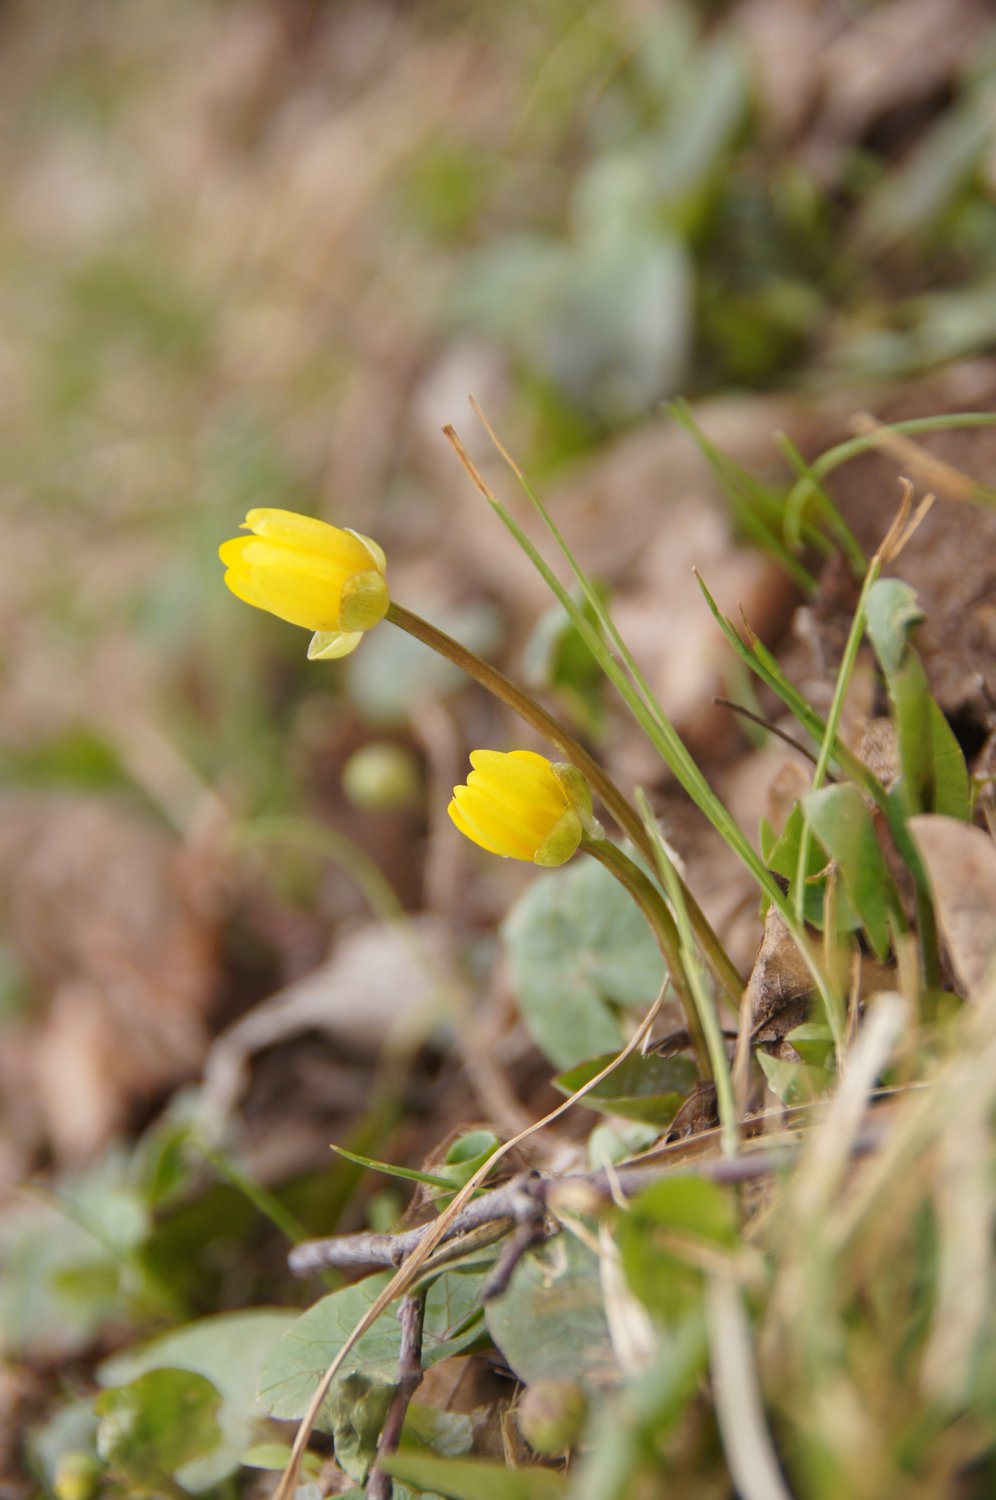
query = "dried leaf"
{"x": 961, "y": 868}
{"x": 780, "y": 984}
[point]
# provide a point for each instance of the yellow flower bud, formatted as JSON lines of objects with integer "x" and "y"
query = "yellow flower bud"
{"x": 523, "y": 806}
{"x": 311, "y": 574}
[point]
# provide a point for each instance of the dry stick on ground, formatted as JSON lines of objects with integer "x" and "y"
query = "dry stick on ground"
{"x": 521, "y": 1205}
{"x": 433, "y": 1235}
{"x": 411, "y": 1316}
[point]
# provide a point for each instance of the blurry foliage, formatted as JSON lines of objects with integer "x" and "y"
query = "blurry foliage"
{"x": 557, "y": 659}
{"x": 577, "y": 947}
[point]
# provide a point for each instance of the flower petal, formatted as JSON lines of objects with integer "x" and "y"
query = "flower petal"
{"x": 376, "y": 552}
{"x": 469, "y": 830}
{"x": 494, "y": 824}
{"x": 308, "y": 534}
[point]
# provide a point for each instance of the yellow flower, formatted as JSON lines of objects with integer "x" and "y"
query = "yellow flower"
{"x": 523, "y": 806}
{"x": 311, "y": 574}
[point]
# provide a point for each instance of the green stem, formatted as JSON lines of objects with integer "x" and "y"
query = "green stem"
{"x": 602, "y": 785}
{"x": 662, "y": 924}
{"x": 726, "y": 1106}
{"x": 836, "y": 1018}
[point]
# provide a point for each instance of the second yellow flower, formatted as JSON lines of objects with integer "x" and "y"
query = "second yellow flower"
{"x": 522, "y": 806}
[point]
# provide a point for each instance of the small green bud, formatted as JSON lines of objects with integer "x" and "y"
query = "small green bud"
{"x": 551, "y": 1416}
{"x": 381, "y": 777}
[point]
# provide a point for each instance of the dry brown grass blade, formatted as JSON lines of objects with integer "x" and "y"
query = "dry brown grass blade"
{"x": 409, "y": 1270}
{"x": 903, "y": 525}
{"x": 942, "y": 476}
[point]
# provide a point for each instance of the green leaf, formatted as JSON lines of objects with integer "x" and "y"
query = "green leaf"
{"x": 692, "y": 1205}
{"x": 814, "y": 1043}
{"x": 783, "y": 858}
{"x": 71, "y": 1260}
{"x": 893, "y": 614}
{"x": 935, "y": 778}
{"x": 277, "y": 1456}
{"x": 767, "y": 839}
{"x": 550, "y": 1322}
{"x": 409, "y": 1174}
{"x": 355, "y": 1411}
{"x": 228, "y": 1351}
{"x": 650, "y": 1233}
{"x": 297, "y": 1363}
{"x": 952, "y": 796}
{"x": 577, "y": 943}
{"x": 466, "y": 1154}
{"x": 794, "y": 1082}
{"x": 447, "y": 1433}
{"x": 475, "y": 1479}
{"x": 650, "y": 1089}
{"x": 612, "y": 1143}
{"x": 631, "y": 1428}
{"x": 462, "y": 1160}
{"x": 843, "y": 825}
{"x": 911, "y": 702}
{"x": 783, "y": 853}
{"x": 157, "y": 1426}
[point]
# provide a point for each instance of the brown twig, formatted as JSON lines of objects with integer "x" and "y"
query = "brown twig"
{"x": 524, "y": 1202}
{"x": 411, "y": 1316}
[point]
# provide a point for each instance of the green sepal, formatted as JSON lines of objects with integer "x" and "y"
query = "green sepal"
{"x": 575, "y": 788}
{"x": 364, "y": 601}
{"x": 327, "y": 645}
{"x": 562, "y": 841}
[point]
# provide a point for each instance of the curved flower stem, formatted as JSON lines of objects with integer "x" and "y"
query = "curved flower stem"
{"x": 662, "y": 924}
{"x": 612, "y": 799}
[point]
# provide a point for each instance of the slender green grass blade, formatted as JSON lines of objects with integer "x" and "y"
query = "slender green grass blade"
{"x": 840, "y": 819}
{"x": 704, "y": 1004}
{"x": 854, "y": 447}
{"x": 809, "y": 491}
{"x": 766, "y": 668}
{"x": 409, "y": 1174}
{"x": 755, "y": 510}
